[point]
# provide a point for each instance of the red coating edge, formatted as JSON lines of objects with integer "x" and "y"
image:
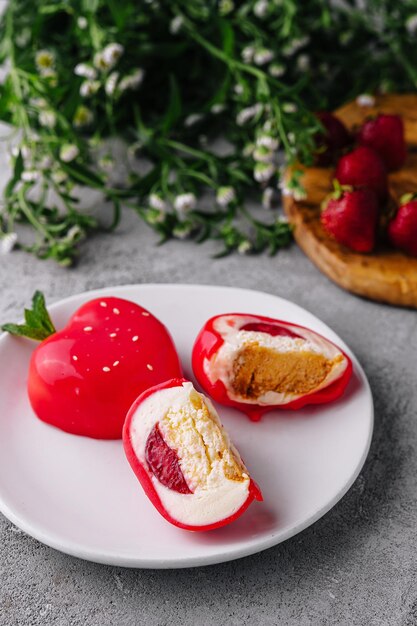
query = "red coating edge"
{"x": 143, "y": 476}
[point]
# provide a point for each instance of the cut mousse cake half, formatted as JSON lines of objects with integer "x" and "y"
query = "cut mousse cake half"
{"x": 246, "y": 360}
{"x": 184, "y": 459}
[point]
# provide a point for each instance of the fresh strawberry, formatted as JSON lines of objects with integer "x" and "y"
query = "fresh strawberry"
{"x": 402, "y": 230}
{"x": 363, "y": 167}
{"x": 350, "y": 216}
{"x": 335, "y": 137}
{"x": 385, "y": 134}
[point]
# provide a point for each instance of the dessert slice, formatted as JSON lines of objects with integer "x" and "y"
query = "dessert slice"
{"x": 184, "y": 459}
{"x": 256, "y": 363}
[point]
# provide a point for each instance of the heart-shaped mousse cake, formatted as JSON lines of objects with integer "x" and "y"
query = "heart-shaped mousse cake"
{"x": 84, "y": 378}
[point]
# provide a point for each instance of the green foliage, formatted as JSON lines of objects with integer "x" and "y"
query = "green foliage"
{"x": 170, "y": 78}
{"x": 38, "y": 325}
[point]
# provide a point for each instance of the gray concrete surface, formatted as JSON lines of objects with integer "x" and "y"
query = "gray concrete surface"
{"x": 357, "y": 565}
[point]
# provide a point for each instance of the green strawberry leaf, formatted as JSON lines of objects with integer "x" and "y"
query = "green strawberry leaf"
{"x": 408, "y": 197}
{"x": 38, "y": 324}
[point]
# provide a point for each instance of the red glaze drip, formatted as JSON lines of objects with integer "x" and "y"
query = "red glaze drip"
{"x": 270, "y": 329}
{"x": 163, "y": 462}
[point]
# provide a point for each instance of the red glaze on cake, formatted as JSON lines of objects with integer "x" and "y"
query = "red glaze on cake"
{"x": 83, "y": 378}
{"x": 184, "y": 460}
{"x": 256, "y": 364}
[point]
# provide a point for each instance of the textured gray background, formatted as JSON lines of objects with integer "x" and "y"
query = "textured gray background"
{"x": 357, "y": 565}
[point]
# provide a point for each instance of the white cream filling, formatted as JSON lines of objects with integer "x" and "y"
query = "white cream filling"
{"x": 220, "y": 366}
{"x": 220, "y": 497}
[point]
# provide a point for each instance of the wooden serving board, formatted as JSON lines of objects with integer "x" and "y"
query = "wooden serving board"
{"x": 384, "y": 275}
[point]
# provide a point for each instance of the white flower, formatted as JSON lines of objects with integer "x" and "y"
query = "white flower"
{"x": 83, "y": 117}
{"x": 46, "y": 162}
{"x": 261, "y": 8}
{"x": 411, "y": 24}
{"x": 99, "y": 61}
{"x": 112, "y": 53}
{"x": 133, "y": 80}
{"x": 289, "y": 107}
{"x": 59, "y": 177}
{"x": 291, "y": 137}
{"x": 238, "y": 89}
{"x": 285, "y": 189}
{"x": 263, "y": 154}
{"x": 30, "y": 176}
{"x": 263, "y": 56}
{"x": 85, "y": 70}
{"x": 269, "y": 198}
{"x": 303, "y": 62}
{"x": 136, "y": 78}
{"x": 111, "y": 82}
{"x": 193, "y": 119}
{"x": 89, "y": 87}
{"x": 365, "y": 100}
{"x": 184, "y": 203}
{"x": 245, "y": 115}
{"x": 226, "y": 6}
{"x": 295, "y": 45}
{"x": 225, "y": 196}
{"x": 217, "y": 108}
{"x": 50, "y": 75}
{"x": 75, "y": 232}
{"x": 45, "y": 60}
{"x": 244, "y": 247}
{"x": 22, "y": 39}
{"x": 248, "y": 54}
{"x": 47, "y": 119}
{"x": 8, "y": 242}
{"x": 106, "y": 59}
{"x": 263, "y": 172}
{"x": 39, "y": 103}
{"x": 82, "y": 22}
{"x": 276, "y": 70}
{"x": 156, "y": 202}
{"x": 267, "y": 141}
{"x": 27, "y": 153}
{"x": 106, "y": 163}
{"x": 176, "y": 25}
{"x": 68, "y": 152}
{"x": 294, "y": 192}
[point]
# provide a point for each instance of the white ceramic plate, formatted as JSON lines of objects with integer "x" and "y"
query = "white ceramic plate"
{"x": 80, "y": 496}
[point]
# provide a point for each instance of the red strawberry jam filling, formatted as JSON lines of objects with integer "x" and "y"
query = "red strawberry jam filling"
{"x": 164, "y": 463}
{"x": 269, "y": 329}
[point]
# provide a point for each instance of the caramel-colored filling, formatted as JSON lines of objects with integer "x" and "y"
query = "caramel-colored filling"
{"x": 257, "y": 370}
